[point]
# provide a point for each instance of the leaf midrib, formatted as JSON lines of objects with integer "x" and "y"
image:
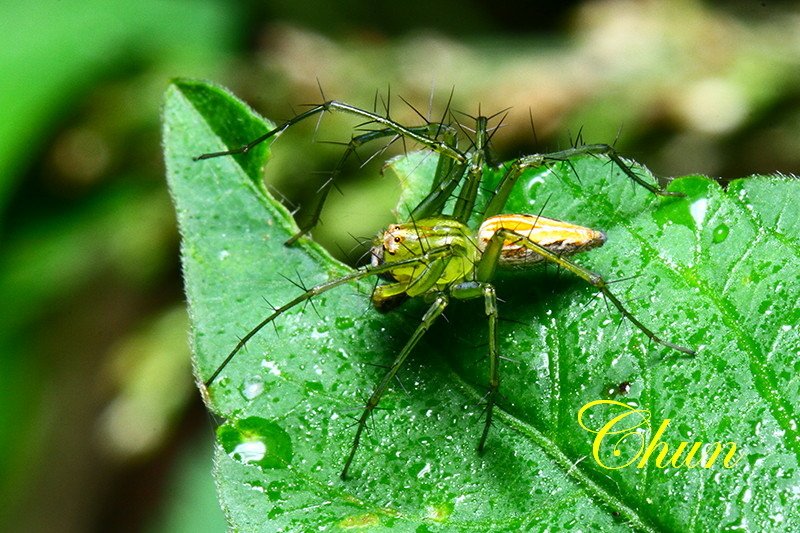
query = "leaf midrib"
{"x": 571, "y": 468}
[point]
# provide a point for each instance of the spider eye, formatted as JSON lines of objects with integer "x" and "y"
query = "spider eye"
{"x": 397, "y": 239}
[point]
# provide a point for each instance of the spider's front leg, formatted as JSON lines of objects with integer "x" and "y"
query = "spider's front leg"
{"x": 450, "y": 170}
{"x": 439, "y": 304}
{"x": 431, "y": 256}
{"x": 350, "y": 148}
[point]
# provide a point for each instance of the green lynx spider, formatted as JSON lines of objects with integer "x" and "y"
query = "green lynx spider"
{"x": 437, "y": 256}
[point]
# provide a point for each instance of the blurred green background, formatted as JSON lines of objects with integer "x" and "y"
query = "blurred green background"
{"x": 101, "y": 427}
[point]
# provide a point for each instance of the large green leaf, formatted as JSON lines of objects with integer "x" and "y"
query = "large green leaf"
{"x": 716, "y": 270}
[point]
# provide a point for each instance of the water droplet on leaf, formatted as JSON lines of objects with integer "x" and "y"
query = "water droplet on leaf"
{"x": 720, "y": 233}
{"x": 255, "y": 440}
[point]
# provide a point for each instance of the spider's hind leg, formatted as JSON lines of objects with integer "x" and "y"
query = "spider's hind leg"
{"x": 595, "y": 280}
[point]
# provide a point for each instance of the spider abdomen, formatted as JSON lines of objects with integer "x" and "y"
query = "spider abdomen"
{"x": 557, "y": 236}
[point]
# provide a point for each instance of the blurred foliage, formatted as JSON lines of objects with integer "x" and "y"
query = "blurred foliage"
{"x": 89, "y": 274}
{"x": 88, "y": 245}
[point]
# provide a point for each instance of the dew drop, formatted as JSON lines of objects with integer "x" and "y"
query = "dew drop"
{"x": 698, "y": 211}
{"x": 272, "y": 367}
{"x": 533, "y": 186}
{"x": 253, "y": 387}
{"x": 424, "y": 471}
{"x": 344, "y": 322}
{"x": 720, "y": 233}
{"x": 249, "y": 452}
{"x": 440, "y": 512}
{"x": 255, "y": 440}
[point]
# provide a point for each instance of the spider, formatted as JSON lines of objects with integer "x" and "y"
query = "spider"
{"x": 439, "y": 254}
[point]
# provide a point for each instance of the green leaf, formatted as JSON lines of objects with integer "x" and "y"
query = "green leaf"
{"x": 717, "y": 270}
